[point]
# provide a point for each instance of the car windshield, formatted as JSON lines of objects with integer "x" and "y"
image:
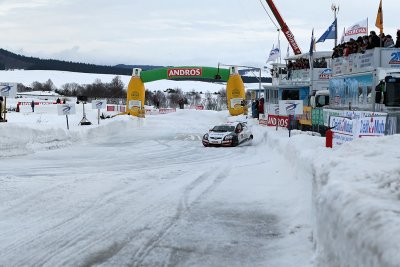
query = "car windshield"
{"x": 223, "y": 128}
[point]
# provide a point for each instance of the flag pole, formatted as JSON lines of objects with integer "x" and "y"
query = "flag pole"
{"x": 335, "y": 9}
{"x": 279, "y": 46}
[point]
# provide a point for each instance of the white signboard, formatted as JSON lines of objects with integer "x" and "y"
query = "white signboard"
{"x": 135, "y": 103}
{"x": 351, "y": 114}
{"x": 66, "y": 109}
{"x": 373, "y": 126}
{"x": 236, "y": 103}
{"x": 343, "y": 129}
{"x": 290, "y": 107}
{"x": 346, "y": 129}
{"x": 99, "y": 104}
{"x": 8, "y": 89}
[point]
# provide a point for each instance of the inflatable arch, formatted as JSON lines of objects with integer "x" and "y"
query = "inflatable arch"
{"x": 234, "y": 88}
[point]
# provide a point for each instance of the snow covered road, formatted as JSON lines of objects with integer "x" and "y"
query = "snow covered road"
{"x": 149, "y": 194}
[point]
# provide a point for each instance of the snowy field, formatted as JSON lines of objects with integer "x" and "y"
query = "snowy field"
{"x": 145, "y": 192}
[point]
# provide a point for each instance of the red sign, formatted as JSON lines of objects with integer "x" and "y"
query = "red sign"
{"x": 182, "y": 72}
{"x": 281, "y": 121}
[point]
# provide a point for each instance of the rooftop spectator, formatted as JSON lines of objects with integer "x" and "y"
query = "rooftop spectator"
{"x": 374, "y": 39}
{"x": 397, "y": 39}
{"x": 388, "y": 41}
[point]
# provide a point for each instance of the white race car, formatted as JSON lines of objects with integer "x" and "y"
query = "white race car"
{"x": 228, "y": 134}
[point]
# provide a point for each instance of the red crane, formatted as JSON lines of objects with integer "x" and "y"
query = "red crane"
{"x": 285, "y": 29}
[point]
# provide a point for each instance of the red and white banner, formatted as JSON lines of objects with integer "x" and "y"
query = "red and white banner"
{"x": 184, "y": 72}
{"x": 358, "y": 29}
{"x": 118, "y": 108}
{"x": 167, "y": 110}
{"x": 274, "y": 120}
{"x": 199, "y": 107}
{"x": 37, "y": 103}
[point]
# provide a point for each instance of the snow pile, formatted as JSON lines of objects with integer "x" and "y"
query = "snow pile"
{"x": 356, "y": 193}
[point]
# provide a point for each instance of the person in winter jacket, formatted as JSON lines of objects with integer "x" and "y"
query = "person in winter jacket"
{"x": 261, "y": 106}
{"x": 397, "y": 45}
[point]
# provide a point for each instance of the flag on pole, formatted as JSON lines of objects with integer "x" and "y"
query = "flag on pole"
{"x": 358, "y": 29}
{"x": 287, "y": 52}
{"x": 274, "y": 54}
{"x": 312, "y": 44}
{"x": 330, "y": 33}
{"x": 379, "y": 18}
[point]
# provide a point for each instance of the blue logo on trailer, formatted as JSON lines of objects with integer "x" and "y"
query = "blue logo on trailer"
{"x": 395, "y": 58}
{"x": 326, "y": 74}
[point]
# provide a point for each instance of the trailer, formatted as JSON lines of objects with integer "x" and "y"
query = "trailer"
{"x": 366, "y": 83}
{"x": 298, "y": 80}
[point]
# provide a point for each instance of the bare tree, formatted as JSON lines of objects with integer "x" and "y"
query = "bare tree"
{"x": 149, "y": 98}
{"x": 49, "y": 86}
{"x": 221, "y": 100}
{"x": 174, "y": 96}
{"x": 37, "y": 86}
{"x": 116, "y": 88}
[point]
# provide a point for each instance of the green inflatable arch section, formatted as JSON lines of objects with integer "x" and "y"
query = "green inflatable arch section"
{"x": 205, "y": 73}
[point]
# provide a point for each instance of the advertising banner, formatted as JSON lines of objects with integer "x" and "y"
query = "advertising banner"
{"x": 367, "y": 61}
{"x": 236, "y": 103}
{"x": 8, "y": 89}
{"x": 305, "y": 119}
{"x": 280, "y": 121}
{"x": 343, "y": 129}
{"x": 373, "y": 126}
{"x": 317, "y": 116}
{"x": 135, "y": 104}
{"x": 290, "y": 107}
{"x": 363, "y": 124}
{"x": 184, "y": 72}
{"x": 357, "y": 29}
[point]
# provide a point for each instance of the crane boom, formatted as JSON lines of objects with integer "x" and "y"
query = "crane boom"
{"x": 285, "y": 29}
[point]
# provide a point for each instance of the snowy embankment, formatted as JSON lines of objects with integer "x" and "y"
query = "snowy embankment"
{"x": 356, "y": 193}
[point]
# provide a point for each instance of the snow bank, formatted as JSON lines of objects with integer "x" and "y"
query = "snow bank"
{"x": 356, "y": 193}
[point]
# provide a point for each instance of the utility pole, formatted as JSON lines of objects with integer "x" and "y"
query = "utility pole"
{"x": 335, "y": 9}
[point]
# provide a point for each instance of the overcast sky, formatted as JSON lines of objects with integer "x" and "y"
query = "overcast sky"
{"x": 173, "y": 32}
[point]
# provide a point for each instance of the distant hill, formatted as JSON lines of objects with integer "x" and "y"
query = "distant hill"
{"x": 9, "y": 60}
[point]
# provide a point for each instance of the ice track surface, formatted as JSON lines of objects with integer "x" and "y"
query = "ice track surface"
{"x": 149, "y": 194}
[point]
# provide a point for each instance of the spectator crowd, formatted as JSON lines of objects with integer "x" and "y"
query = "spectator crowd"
{"x": 363, "y": 43}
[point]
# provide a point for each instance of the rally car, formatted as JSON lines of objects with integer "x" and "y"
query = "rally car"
{"x": 228, "y": 134}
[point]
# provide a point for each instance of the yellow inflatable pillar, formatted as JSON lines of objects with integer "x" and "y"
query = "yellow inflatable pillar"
{"x": 235, "y": 93}
{"x": 135, "y": 94}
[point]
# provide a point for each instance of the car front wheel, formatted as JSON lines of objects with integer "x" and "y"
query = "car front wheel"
{"x": 235, "y": 141}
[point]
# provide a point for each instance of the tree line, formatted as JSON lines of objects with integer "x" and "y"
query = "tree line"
{"x": 115, "y": 93}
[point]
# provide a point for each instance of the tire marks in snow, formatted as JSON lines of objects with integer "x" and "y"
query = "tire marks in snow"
{"x": 193, "y": 194}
